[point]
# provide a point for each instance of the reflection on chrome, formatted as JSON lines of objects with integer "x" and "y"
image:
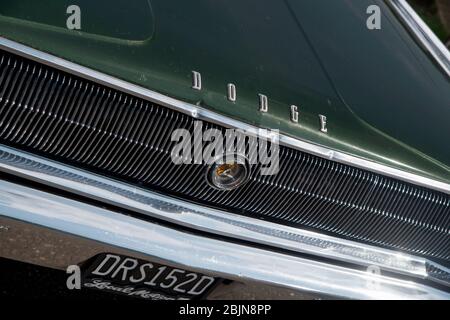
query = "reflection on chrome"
{"x": 215, "y": 221}
{"x": 91, "y": 226}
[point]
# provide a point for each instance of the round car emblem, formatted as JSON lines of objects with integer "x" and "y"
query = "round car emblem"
{"x": 229, "y": 172}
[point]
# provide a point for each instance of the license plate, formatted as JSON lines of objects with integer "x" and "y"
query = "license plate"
{"x": 143, "y": 279}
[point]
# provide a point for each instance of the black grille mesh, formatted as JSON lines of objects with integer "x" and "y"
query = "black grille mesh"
{"x": 80, "y": 122}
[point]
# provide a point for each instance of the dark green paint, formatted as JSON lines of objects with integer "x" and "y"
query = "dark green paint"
{"x": 384, "y": 98}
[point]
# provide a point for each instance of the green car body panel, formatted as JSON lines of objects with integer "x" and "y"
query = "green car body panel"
{"x": 384, "y": 98}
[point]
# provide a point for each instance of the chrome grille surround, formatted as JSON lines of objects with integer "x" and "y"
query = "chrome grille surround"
{"x": 408, "y": 216}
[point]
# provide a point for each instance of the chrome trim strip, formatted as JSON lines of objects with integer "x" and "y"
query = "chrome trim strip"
{"x": 423, "y": 33}
{"x": 207, "y": 115}
{"x": 216, "y": 257}
{"x": 213, "y": 221}
{"x": 38, "y": 245}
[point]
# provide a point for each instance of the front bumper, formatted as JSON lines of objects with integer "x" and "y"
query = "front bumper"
{"x": 54, "y": 231}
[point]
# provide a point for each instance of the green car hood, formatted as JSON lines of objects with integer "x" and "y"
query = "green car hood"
{"x": 384, "y": 98}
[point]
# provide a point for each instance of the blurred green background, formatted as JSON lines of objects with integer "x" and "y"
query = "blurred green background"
{"x": 436, "y": 13}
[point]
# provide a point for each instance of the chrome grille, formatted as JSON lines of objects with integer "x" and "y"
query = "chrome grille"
{"x": 73, "y": 120}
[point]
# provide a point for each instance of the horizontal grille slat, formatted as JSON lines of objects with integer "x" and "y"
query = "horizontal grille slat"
{"x": 73, "y": 120}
